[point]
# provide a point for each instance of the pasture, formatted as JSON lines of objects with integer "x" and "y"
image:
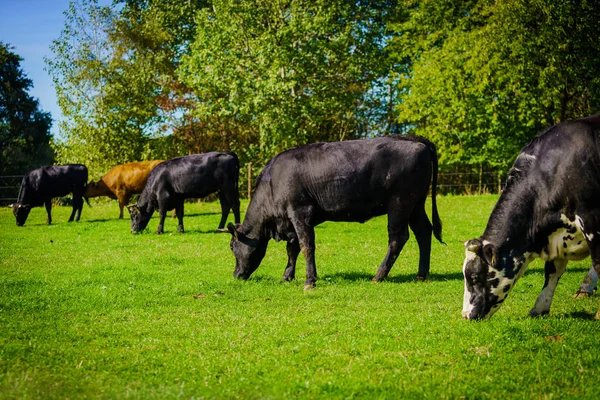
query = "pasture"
{"x": 90, "y": 310}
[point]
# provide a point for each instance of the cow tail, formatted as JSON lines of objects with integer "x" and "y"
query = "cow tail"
{"x": 85, "y": 184}
{"x": 237, "y": 171}
{"x": 437, "y": 222}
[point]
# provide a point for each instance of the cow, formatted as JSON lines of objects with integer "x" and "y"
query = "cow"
{"x": 341, "y": 181}
{"x": 193, "y": 176}
{"x": 122, "y": 182}
{"x": 40, "y": 185}
{"x": 550, "y": 209}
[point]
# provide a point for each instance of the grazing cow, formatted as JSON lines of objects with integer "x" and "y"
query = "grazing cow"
{"x": 549, "y": 209}
{"x": 193, "y": 176}
{"x": 40, "y": 185}
{"x": 343, "y": 181}
{"x": 122, "y": 182}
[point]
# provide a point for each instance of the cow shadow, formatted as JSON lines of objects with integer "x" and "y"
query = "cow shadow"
{"x": 581, "y": 315}
{"x": 200, "y": 214}
{"x": 363, "y": 276}
{"x": 104, "y": 220}
{"x": 203, "y": 231}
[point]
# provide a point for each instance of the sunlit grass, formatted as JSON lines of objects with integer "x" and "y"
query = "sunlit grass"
{"x": 90, "y": 310}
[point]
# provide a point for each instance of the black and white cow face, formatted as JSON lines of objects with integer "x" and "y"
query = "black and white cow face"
{"x": 139, "y": 219}
{"x": 248, "y": 252}
{"x": 489, "y": 277}
{"x": 21, "y": 212}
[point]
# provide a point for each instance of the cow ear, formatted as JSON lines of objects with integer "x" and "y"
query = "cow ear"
{"x": 133, "y": 208}
{"x": 473, "y": 245}
{"x": 489, "y": 254}
{"x": 232, "y": 230}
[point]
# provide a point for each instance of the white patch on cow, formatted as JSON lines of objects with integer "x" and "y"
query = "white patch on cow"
{"x": 579, "y": 223}
{"x": 499, "y": 291}
{"x": 564, "y": 245}
{"x": 527, "y": 156}
{"x": 470, "y": 256}
{"x": 544, "y": 300}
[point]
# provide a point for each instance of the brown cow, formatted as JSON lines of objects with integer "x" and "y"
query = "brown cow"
{"x": 122, "y": 182}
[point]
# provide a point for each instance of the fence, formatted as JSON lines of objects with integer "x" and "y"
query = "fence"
{"x": 9, "y": 188}
{"x": 468, "y": 183}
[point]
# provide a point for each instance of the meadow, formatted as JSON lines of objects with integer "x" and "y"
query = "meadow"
{"x": 89, "y": 310}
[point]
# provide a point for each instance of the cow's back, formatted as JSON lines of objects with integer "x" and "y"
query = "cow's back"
{"x": 192, "y": 176}
{"x": 52, "y": 181}
{"x": 130, "y": 177}
{"x": 563, "y": 164}
{"x": 350, "y": 178}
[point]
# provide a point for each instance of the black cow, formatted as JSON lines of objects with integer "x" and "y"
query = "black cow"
{"x": 193, "y": 176}
{"x": 40, "y": 185}
{"x": 343, "y": 181}
{"x": 550, "y": 209}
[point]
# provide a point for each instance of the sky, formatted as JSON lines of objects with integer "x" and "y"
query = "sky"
{"x": 29, "y": 26}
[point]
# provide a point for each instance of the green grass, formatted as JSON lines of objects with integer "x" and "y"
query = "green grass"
{"x": 89, "y": 310}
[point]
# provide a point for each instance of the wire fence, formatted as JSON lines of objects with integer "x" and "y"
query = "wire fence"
{"x": 9, "y": 188}
{"x": 458, "y": 183}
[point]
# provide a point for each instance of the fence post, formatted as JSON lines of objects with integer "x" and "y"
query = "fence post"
{"x": 249, "y": 181}
{"x": 499, "y": 182}
{"x": 479, "y": 189}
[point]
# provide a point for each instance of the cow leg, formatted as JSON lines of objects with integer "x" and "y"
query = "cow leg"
{"x": 306, "y": 239}
{"x": 588, "y": 285}
{"x": 77, "y": 206}
{"x": 594, "y": 246}
{"x": 397, "y": 237}
{"x": 293, "y": 249}
{"x": 123, "y": 199}
{"x": 225, "y": 207}
{"x": 179, "y": 213}
{"x": 234, "y": 200}
{"x": 48, "y": 204}
{"x": 552, "y": 273}
{"x": 162, "y": 214}
{"x": 421, "y": 227}
{"x": 74, "y": 214}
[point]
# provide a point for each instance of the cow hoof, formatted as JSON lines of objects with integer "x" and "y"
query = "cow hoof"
{"x": 419, "y": 278}
{"x": 222, "y": 230}
{"x": 534, "y": 313}
{"x": 376, "y": 280}
{"x": 597, "y": 316}
{"x": 581, "y": 295}
{"x": 309, "y": 286}
{"x": 287, "y": 279}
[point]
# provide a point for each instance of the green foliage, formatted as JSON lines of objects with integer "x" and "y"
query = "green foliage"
{"x": 107, "y": 90}
{"x": 481, "y": 78}
{"x": 274, "y": 75}
{"x": 90, "y": 310}
{"x": 24, "y": 128}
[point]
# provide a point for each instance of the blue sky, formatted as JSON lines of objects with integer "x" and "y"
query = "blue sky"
{"x": 29, "y": 26}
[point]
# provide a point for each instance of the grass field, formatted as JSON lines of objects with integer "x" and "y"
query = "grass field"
{"x": 89, "y": 310}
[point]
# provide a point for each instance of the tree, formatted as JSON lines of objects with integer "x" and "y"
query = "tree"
{"x": 24, "y": 128}
{"x": 267, "y": 76}
{"x": 481, "y": 78}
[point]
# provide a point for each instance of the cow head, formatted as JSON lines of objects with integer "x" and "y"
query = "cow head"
{"x": 21, "y": 212}
{"x": 248, "y": 252}
{"x": 139, "y": 219}
{"x": 478, "y": 301}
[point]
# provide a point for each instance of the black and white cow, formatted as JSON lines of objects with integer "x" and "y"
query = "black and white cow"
{"x": 549, "y": 209}
{"x": 193, "y": 176}
{"x": 343, "y": 181}
{"x": 41, "y": 185}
